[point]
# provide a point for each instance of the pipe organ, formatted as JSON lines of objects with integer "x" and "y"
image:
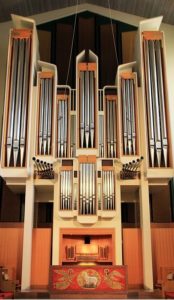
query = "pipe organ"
{"x": 86, "y": 141}
{"x": 155, "y": 93}
{"x": 17, "y": 96}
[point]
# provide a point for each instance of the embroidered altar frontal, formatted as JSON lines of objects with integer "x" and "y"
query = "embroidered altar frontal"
{"x": 69, "y": 279}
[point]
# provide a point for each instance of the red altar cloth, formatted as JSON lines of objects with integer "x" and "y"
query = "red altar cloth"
{"x": 87, "y": 279}
{"x": 6, "y": 295}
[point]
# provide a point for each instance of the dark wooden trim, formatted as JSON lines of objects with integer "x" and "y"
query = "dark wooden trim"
{"x": 11, "y": 225}
{"x": 162, "y": 225}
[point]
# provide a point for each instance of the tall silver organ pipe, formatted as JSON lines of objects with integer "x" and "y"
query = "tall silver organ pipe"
{"x": 128, "y": 114}
{"x": 100, "y": 123}
{"x": 62, "y": 125}
{"x": 45, "y": 113}
{"x": 108, "y": 190}
{"x": 72, "y": 136}
{"x": 87, "y": 190}
{"x": 66, "y": 189}
{"x": 110, "y": 123}
{"x": 155, "y": 98}
{"x": 101, "y": 135}
{"x": 18, "y": 93}
{"x": 87, "y": 105}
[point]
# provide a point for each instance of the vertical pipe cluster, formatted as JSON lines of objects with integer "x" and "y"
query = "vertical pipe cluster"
{"x": 100, "y": 123}
{"x": 108, "y": 190}
{"x": 111, "y": 126}
{"x": 87, "y": 204}
{"x": 73, "y": 136}
{"x": 18, "y": 97}
{"x": 66, "y": 183}
{"x": 62, "y": 132}
{"x": 155, "y": 100}
{"x": 128, "y": 116}
{"x": 45, "y": 115}
{"x": 87, "y": 109}
{"x": 101, "y": 135}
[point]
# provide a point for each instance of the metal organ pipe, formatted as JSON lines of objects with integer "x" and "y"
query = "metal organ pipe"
{"x": 128, "y": 114}
{"x": 43, "y": 169}
{"x": 91, "y": 105}
{"x": 155, "y": 99}
{"x": 155, "y": 102}
{"x": 66, "y": 178}
{"x": 101, "y": 135}
{"x": 111, "y": 125}
{"x": 132, "y": 116}
{"x": 62, "y": 138}
{"x": 87, "y": 108}
{"x": 24, "y": 100}
{"x": 12, "y": 100}
{"x": 17, "y": 117}
{"x": 45, "y": 113}
{"x": 45, "y": 119}
{"x": 149, "y": 103}
{"x": 18, "y": 96}
{"x": 114, "y": 127}
{"x": 87, "y": 203}
{"x": 50, "y": 94}
{"x": 161, "y": 100}
{"x": 41, "y": 114}
{"x": 128, "y": 119}
{"x": 82, "y": 109}
{"x": 108, "y": 190}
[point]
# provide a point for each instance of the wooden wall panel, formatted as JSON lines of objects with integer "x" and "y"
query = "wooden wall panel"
{"x": 44, "y": 45}
{"x": 132, "y": 255}
{"x": 41, "y": 253}
{"x": 108, "y": 60}
{"x": 11, "y": 240}
{"x": 128, "y": 44}
{"x": 64, "y": 34}
{"x": 163, "y": 250}
{"x": 10, "y": 205}
{"x": 86, "y": 34}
